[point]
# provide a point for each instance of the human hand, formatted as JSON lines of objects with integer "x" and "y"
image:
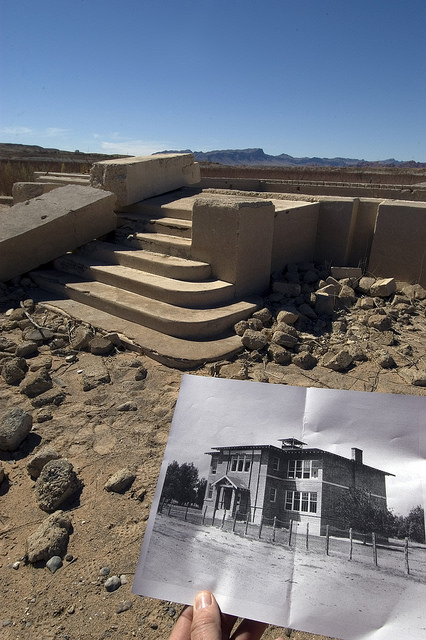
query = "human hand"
{"x": 204, "y": 621}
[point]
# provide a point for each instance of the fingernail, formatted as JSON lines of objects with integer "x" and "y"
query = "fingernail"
{"x": 203, "y": 600}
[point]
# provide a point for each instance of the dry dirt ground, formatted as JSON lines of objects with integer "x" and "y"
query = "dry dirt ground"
{"x": 98, "y": 439}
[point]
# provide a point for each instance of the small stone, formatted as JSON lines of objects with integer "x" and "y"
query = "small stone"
{"x": 16, "y": 565}
{"x": 36, "y": 383}
{"x": 13, "y": 370}
{"x": 124, "y": 579}
{"x": 112, "y": 583}
{"x": 72, "y": 357}
{"x": 366, "y": 303}
{"x": 337, "y": 361}
{"x": 124, "y": 606}
{"x": 240, "y": 327}
{"x": 284, "y": 339}
{"x": 287, "y": 316}
{"x": 305, "y": 360}
{"x": 81, "y": 338}
{"x": 379, "y": 322}
{"x": 172, "y": 612}
{"x": 15, "y": 425}
{"x": 100, "y": 346}
{"x": 53, "y": 396}
{"x": 324, "y": 304}
{"x": 414, "y": 291}
{"x": 41, "y": 362}
{"x": 254, "y": 340}
{"x": 26, "y": 349}
{"x": 385, "y": 360}
{"x": 365, "y": 284}
{"x": 40, "y": 459}
{"x": 279, "y": 354}
{"x": 50, "y": 539}
{"x": 120, "y": 481}
{"x": 104, "y": 571}
{"x": 141, "y": 373}
{"x": 2, "y": 473}
{"x": 264, "y": 315}
{"x": 128, "y": 406}
{"x": 54, "y": 563}
{"x": 255, "y": 324}
{"x": 71, "y": 609}
{"x": 418, "y": 378}
{"x": 347, "y": 296}
{"x": 7, "y": 345}
{"x": 383, "y": 288}
{"x": 44, "y": 415}
{"x": 69, "y": 557}
{"x": 56, "y": 483}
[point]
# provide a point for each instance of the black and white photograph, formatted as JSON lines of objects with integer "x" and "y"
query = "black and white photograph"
{"x": 299, "y": 507}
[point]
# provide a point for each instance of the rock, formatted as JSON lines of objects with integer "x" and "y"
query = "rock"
{"x": 324, "y": 303}
{"x": 366, "y": 303}
{"x": 50, "y": 539}
{"x": 337, "y": 361}
{"x": 286, "y": 328}
{"x": 383, "y": 288}
{"x": 120, "y": 481}
{"x": 305, "y": 360}
{"x": 13, "y": 370}
{"x": 287, "y": 316}
{"x": 284, "y": 339}
{"x": 41, "y": 362}
{"x": 385, "y": 360}
{"x": 81, "y": 338}
{"x": 104, "y": 571}
{"x": 124, "y": 606}
{"x": 44, "y": 415}
{"x": 418, "y": 378}
{"x": 278, "y": 354}
{"x": 264, "y": 315}
{"x": 112, "y": 583}
{"x": 2, "y": 473}
{"x": 26, "y": 349}
{"x": 414, "y": 291}
{"x": 7, "y": 345}
{"x": 53, "y": 396}
{"x": 36, "y": 383}
{"x": 94, "y": 375}
{"x": 127, "y": 406}
{"x": 346, "y": 272}
{"x": 307, "y": 311}
{"x": 254, "y": 340}
{"x": 56, "y": 483}
{"x": 141, "y": 373}
{"x": 15, "y": 425}
{"x": 54, "y": 563}
{"x": 36, "y": 463}
{"x": 347, "y": 296}
{"x": 100, "y": 346}
{"x": 255, "y": 324}
{"x": 334, "y": 283}
{"x": 379, "y": 322}
{"x": 365, "y": 284}
{"x": 240, "y": 327}
{"x": 38, "y": 336}
{"x": 289, "y": 289}
{"x": 29, "y": 305}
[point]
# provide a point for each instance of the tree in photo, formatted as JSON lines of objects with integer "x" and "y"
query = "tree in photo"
{"x": 361, "y": 511}
{"x": 412, "y": 526}
{"x": 182, "y": 485}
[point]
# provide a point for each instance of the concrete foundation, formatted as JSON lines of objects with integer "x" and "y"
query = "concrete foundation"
{"x": 137, "y": 178}
{"x": 46, "y": 227}
{"x": 235, "y": 237}
{"x": 399, "y": 244}
{"x": 295, "y": 233}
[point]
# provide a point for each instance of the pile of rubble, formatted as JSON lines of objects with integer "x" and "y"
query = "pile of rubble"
{"x": 336, "y": 318}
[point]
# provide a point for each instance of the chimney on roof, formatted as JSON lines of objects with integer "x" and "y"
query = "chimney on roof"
{"x": 356, "y": 455}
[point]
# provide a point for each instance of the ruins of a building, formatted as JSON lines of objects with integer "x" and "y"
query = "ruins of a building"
{"x": 146, "y": 248}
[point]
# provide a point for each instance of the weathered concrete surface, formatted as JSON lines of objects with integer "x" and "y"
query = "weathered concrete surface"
{"x": 137, "y": 178}
{"x": 333, "y": 233}
{"x": 235, "y": 237}
{"x": 22, "y": 191}
{"x": 46, "y": 227}
{"x": 295, "y": 231}
{"x": 399, "y": 243}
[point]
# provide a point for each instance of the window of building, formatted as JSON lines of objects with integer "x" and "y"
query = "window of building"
{"x": 214, "y": 465}
{"x": 302, "y": 469}
{"x": 305, "y": 501}
{"x": 272, "y": 494}
{"x": 210, "y": 491}
{"x": 275, "y": 463}
{"x": 241, "y": 462}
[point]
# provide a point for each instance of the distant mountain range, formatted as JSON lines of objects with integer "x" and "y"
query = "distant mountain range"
{"x": 257, "y": 157}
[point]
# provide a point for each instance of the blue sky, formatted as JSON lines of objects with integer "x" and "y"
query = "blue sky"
{"x": 304, "y": 77}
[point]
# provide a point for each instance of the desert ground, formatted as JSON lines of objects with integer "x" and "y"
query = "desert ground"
{"x": 122, "y": 421}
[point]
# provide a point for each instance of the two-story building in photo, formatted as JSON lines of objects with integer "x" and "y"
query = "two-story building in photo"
{"x": 293, "y": 482}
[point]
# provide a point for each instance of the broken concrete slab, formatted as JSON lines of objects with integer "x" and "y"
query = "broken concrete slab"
{"x": 137, "y": 178}
{"x": 44, "y": 228}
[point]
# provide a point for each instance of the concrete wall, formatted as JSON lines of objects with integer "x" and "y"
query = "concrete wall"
{"x": 295, "y": 231}
{"x": 137, "y": 178}
{"x": 399, "y": 244}
{"x": 46, "y": 227}
{"x": 235, "y": 236}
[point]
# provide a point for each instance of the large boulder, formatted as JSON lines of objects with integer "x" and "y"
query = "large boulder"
{"x": 50, "y": 539}
{"x": 56, "y": 483}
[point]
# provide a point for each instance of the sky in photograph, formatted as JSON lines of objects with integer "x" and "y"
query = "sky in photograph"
{"x": 215, "y": 412}
{"x": 320, "y": 78}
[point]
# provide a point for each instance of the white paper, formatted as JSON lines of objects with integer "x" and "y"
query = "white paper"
{"x": 272, "y": 582}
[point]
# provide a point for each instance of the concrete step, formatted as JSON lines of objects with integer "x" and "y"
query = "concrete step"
{"x": 63, "y": 180}
{"x": 156, "y": 242}
{"x": 177, "y": 204}
{"x": 159, "y": 263}
{"x": 172, "y": 352}
{"x": 180, "y": 322}
{"x": 176, "y": 292}
{"x": 168, "y": 226}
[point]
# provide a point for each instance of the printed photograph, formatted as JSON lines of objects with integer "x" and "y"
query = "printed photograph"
{"x": 298, "y": 507}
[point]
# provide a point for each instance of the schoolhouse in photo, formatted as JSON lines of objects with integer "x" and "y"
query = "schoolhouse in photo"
{"x": 291, "y": 482}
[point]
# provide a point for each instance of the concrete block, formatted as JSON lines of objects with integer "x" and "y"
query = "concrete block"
{"x": 137, "y": 178}
{"x": 48, "y": 226}
{"x": 324, "y": 303}
{"x": 398, "y": 247}
{"x": 295, "y": 231}
{"x": 22, "y": 191}
{"x": 235, "y": 236}
{"x": 383, "y": 288}
{"x": 334, "y": 230}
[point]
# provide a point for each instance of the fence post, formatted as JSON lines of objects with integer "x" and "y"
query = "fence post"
{"x": 260, "y": 527}
{"x": 204, "y": 514}
{"x": 170, "y": 508}
{"x": 307, "y": 536}
{"x": 327, "y": 538}
{"x": 373, "y": 537}
{"x": 235, "y": 521}
{"x": 186, "y": 512}
{"x": 273, "y": 528}
{"x": 214, "y": 515}
{"x": 247, "y": 524}
{"x": 290, "y": 531}
{"x": 407, "y": 566}
{"x": 350, "y": 544}
{"x": 223, "y": 518}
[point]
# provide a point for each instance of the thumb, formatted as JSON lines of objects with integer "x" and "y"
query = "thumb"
{"x": 206, "y": 620}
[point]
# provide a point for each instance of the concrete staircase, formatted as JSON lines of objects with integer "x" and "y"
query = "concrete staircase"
{"x": 142, "y": 283}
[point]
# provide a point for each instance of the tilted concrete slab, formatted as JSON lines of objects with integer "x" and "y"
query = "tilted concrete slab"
{"x": 46, "y": 227}
{"x": 22, "y": 191}
{"x": 137, "y": 178}
{"x": 399, "y": 242}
